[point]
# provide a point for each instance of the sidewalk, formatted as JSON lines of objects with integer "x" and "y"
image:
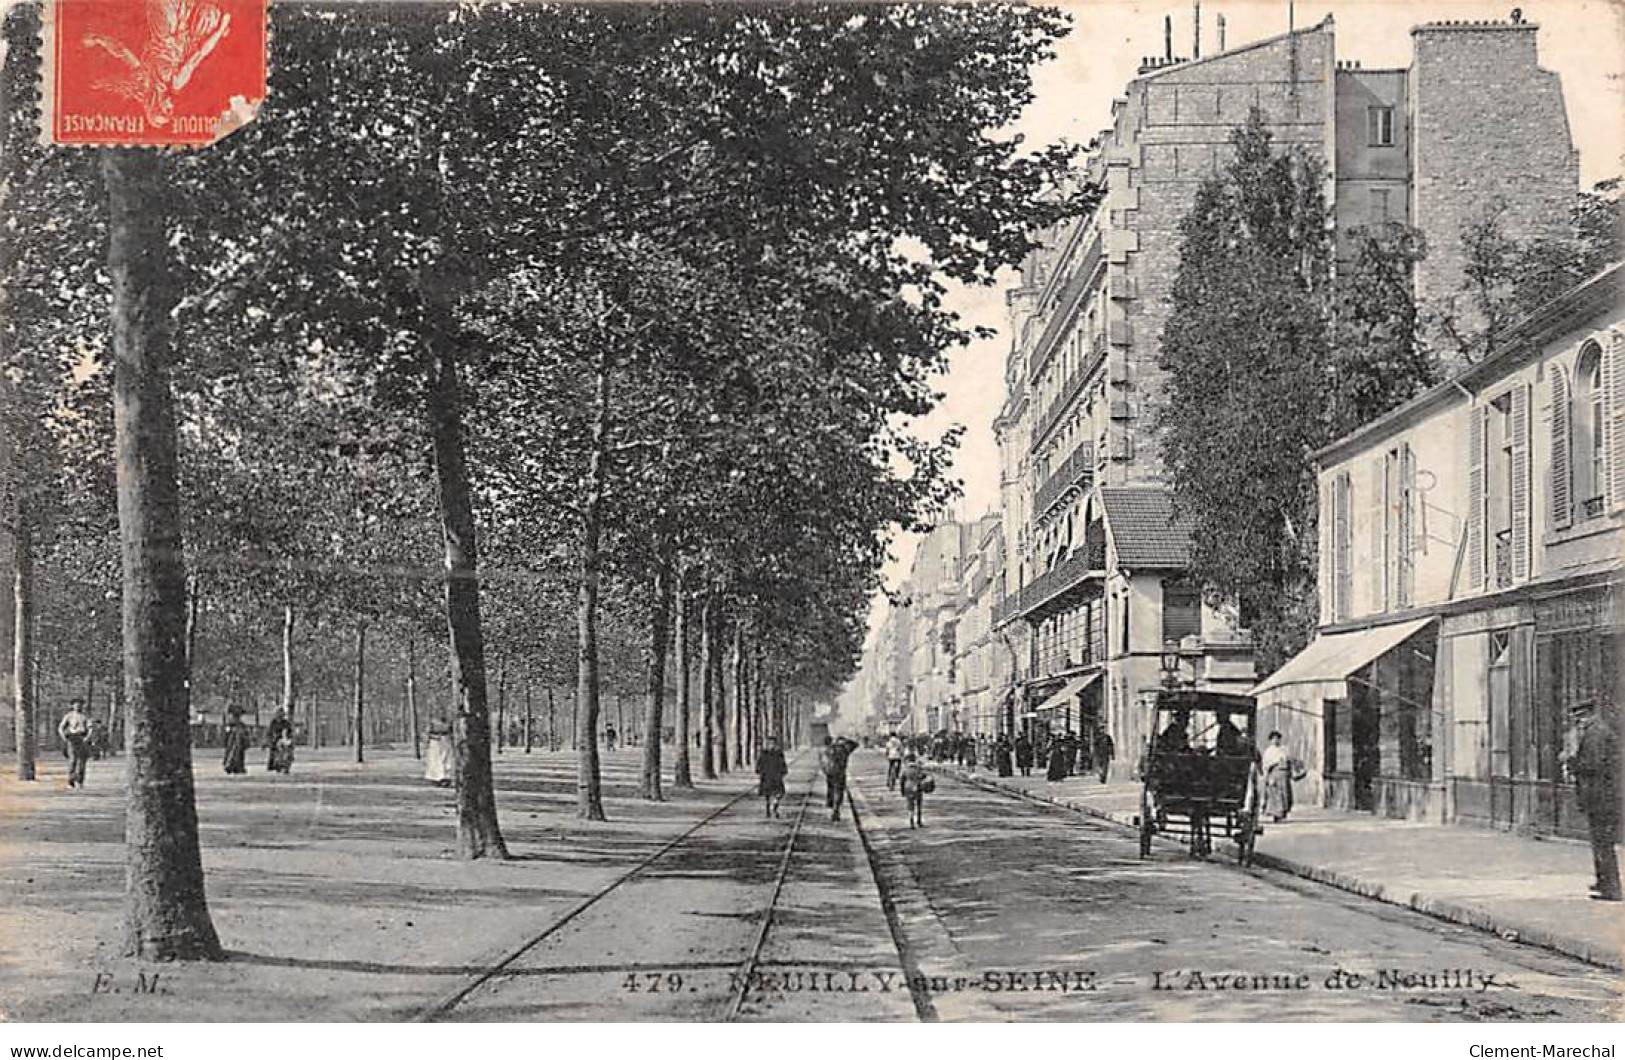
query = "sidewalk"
{"x": 1524, "y": 889}
{"x": 335, "y": 890}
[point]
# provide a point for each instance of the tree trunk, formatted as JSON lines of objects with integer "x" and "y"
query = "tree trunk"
{"x": 502, "y": 702}
{"x": 289, "y": 689}
{"x": 708, "y": 690}
{"x": 682, "y": 775}
{"x": 24, "y": 689}
{"x": 194, "y": 595}
{"x": 166, "y": 911}
{"x": 653, "y": 719}
{"x": 360, "y": 690}
{"x": 478, "y": 833}
{"x": 719, "y": 716}
{"x": 739, "y": 694}
{"x": 552, "y": 730}
{"x": 589, "y": 794}
{"x": 758, "y": 706}
{"x": 527, "y": 715}
{"x": 412, "y": 695}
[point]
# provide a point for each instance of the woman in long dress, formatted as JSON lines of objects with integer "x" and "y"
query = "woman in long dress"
{"x": 1277, "y": 768}
{"x": 439, "y": 764}
{"x": 1060, "y": 759}
{"x": 279, "y": 743}
{"x": 771, "y": 768}
{"x": 236, "y": 750}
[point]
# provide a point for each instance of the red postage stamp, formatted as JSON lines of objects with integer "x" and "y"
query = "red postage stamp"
{"x": 151, "y": 73}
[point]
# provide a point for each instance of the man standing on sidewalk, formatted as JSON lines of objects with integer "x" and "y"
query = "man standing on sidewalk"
{"x": 1595, "y": 766}
{"x": 74, "y": 729}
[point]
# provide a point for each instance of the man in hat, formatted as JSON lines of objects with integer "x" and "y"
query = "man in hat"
{"x": 1595, "y": 767}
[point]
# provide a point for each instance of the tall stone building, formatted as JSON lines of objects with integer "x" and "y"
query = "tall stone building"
{"x": 1094, "y": 586}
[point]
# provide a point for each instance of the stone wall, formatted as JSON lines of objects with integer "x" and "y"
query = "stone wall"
{"x": 1488, "y": 126}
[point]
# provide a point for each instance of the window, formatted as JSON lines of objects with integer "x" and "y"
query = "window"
{"x": 1380, "y": 126}
{"x": 1589, "y": 451}
{"x": 1342, "y": 544}
{"x": 1181, "y": 611}
{"x": 1379, "y": 206}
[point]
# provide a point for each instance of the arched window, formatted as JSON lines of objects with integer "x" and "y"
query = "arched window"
{"x": 1590, "y": 478}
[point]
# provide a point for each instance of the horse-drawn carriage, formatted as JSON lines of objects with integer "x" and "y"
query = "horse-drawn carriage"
{"x": 1200, "y": 771}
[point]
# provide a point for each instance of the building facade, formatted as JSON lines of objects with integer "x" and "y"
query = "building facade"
{"x": 1471, "y": 566}
{"x": 1094, "y": 593}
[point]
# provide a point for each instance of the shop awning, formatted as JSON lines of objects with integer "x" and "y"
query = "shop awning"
{"x": 1333, "y": 656}
{"x": 1065, "y": 695}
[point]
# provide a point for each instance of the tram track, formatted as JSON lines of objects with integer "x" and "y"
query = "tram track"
{"x": 750, "y": 974}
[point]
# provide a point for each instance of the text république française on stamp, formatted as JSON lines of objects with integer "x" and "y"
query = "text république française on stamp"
{"x": 150, "y": 73}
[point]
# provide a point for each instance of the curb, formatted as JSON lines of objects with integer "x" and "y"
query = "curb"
{"x": 1428, "y": 905}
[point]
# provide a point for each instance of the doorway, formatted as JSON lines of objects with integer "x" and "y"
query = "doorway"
{"x": 1364, "y": 730}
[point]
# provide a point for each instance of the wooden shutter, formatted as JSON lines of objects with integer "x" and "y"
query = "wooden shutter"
{"x": 1562, "y": 494}
{"x": 1378, "y": 537}
{"x": 1475, "y": 496}
{"x": 1340, "y": 545}
{"x": 1405, "y": 539}
{"x": 1613, "y": 381}
{"x": 1328, "y": 571}
{"x": 1520, "y": 482}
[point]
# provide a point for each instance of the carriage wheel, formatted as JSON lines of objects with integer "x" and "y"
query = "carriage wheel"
{"x": 1146, "y": 826}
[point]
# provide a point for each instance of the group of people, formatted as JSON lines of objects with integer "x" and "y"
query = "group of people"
{"x": 278, "y": 744}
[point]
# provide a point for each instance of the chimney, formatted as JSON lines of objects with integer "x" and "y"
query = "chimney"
{"x": 1196, "y": 49}
{"x": 1168, "y": 37}
{"x": 1221, "y": 33}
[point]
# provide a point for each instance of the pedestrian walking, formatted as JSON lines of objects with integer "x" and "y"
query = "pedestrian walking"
{"x": 237, "y": 739}
{"x": 98, "y": 740}
{"x": 1001, "y": 756}
{"x": 609, "y": 737}
{"x": 770, "y": 766}
{"x": 1060, "y": 756}
{"x": 1595, "y": 767}
{"x": 832, "y": 762}
{"x": 1279, "y": 770}
{"x": 1024, "y": 755}
{"x": 440, "y": 764}
{"x": 917, "y": 783}
{"x": 279, "y": 743}
{"x": 894, "y": 761}
{"x": 1104, "y": 750}
{"x": 74, "y": 729}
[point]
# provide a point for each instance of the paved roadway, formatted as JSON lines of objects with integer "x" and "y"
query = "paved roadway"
{"x": 1022, "y": 888}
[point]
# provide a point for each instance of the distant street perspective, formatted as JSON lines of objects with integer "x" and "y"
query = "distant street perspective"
{"x": 811, "y": 513}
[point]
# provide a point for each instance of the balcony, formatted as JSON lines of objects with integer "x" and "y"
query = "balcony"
{"x": 1592, "y": 507}
{"x": 1056, "y": 586}
{"x": 1077, "y": 468}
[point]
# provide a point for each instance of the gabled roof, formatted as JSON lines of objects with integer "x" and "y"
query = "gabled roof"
{"x": 1141, "y": 524}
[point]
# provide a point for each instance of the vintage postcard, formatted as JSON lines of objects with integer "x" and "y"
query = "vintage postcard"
{"x": 1109, "y": 512}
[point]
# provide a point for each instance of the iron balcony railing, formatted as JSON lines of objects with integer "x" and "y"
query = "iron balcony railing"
{"x": 1075, "y": 469}
{"x": 1082, "y": 564}
{"x": 1592, "y": 507}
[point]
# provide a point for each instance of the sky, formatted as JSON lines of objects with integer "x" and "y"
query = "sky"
{"x": 1582, "y": 40}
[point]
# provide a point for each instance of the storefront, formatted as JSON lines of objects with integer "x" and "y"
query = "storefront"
{"x": 1074, "y": 708}
{"x": 1356, "y": 707}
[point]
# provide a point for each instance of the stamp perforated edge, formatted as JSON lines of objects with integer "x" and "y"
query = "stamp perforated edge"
{"x": 229, "y": 121}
